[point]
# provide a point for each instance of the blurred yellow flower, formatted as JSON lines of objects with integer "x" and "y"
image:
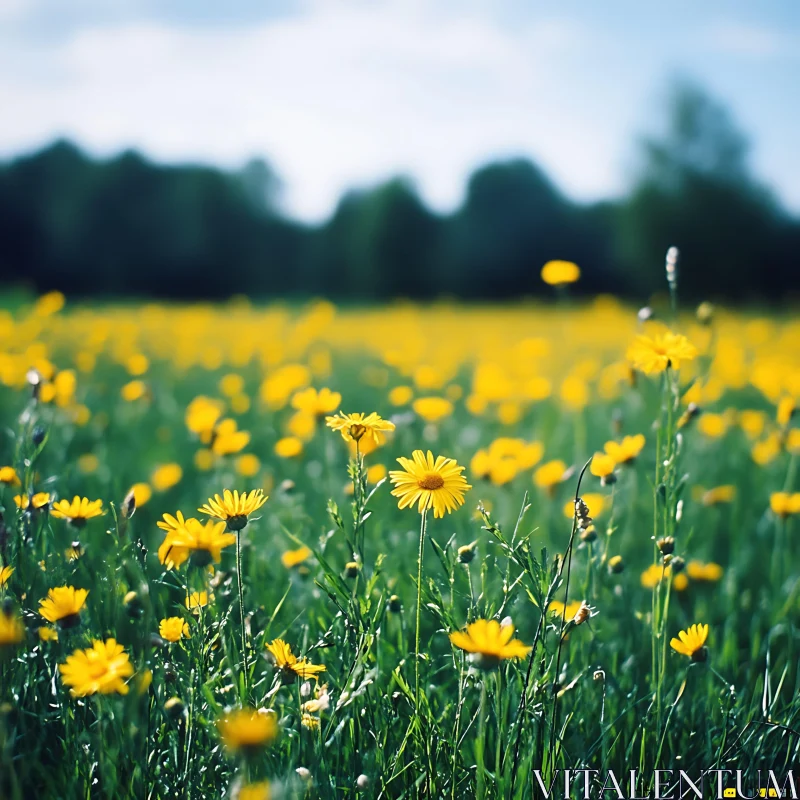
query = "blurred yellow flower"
{"x": 166, "y": 476}
{"x": 549, "y": 475}
{"x": 247, "y": 730}
{"x": 141, "y": 493}
{"x": 488, "y": 643}
{"x": 293, "y": 558}
{"x": 226, "y": 439}
{"x": 288, "y": 447}
{"x": 173, "y": 629}
{"x": 712, "y": 425}
{"x": 719, "y": 494}
{"x": 63, "y": 605}
{"x": 101, "y": 668}
{"x": 197, "y": 600}
{"x": 5, "y": 574}
{"x": 88, "y": 463}
{"x": 432, "y": 409}
{"x": 78, "y": 510}
{"x": 231, "y": 384}
{"x": 316, "y": 403}
{"x": 698, "y": 571}
{"x": 596, "y": 503}
{"x": 248, "y": 465}
{"x": 652, "y": 354}
{"x": 558, "y": 273}
{"x": 602, "y": 465}
{"x": 783, "y": 503}
{"x": 39, "y": 500}
{"x": 12, "y": 631}
{"x": 133, "y": 391}
{"x": 291, "y": 666}
{"x": 401, "y": 395}
{"x": 627, "y": 450}
{"x": 8, "y": 475}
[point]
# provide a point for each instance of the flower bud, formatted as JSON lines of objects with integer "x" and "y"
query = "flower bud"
{"x": 666, "y": 544}
{"x": 616, "y": 565}
{"x": 395, "y": 604}
{"x": 351, "y": 569}
{"x": 174, "y": 708}
{"x": 466, "y": 553}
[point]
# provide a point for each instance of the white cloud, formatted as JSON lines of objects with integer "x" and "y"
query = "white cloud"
{"x": 343, "y": 93}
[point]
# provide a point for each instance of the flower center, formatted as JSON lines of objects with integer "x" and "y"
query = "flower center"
{"x": 357, "y": 431}
{"x": 431, "y": 482}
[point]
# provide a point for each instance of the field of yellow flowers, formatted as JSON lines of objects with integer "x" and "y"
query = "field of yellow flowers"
{"x": 308, "y": 552}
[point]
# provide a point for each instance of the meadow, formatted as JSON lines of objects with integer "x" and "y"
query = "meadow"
{"x": 598, "y": 573}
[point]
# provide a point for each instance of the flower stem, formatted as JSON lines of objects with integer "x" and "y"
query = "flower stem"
{"x": 239, "y": 581}
{"x": 419, "y": 605}
{"x": 480, "y": 744}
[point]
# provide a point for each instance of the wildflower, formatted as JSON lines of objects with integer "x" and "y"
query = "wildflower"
{"x": 584, "y": 612}
{"x": 401, "y": 395}
{"x": 248, "y": 465}
{"x": 227, "y": 439}
{"x": 47, "y": 634}
{"x": 692, "y": 410}
{"x": 594, "y": 503}
{"x": 5, "y": 574}
{"x": 234, "y": 508}
{"x": 652, "y": 354}
{"x": 8, "y": 476}
{"x": 255, "y": 791}
{"x": 559, "y": 273}
{"x": 466, "y": 553}
{"x": 290, "y": 665}
{"x": 63, "y": 605}
{"x": 309, "y": 721}
{"x": 666, "y": 545}
{"x": 74, "y": 551}
{"x": 626, "y": 451}
{"x": 603, "y": 467}
{"x": 719, "y": 494}
{"x": 698, "y": 571}
{"x": 166, "y": 476}
{"x": 568, "y": 611}
{"x": 354, "y": 427}
{"x": 101, "y": 668}
{"x": 231, "y": 384}
{"x": 713, "y": 426}
{"x": 77, "y": 511}
{"x": 12, "y": 631}
{"x": 489, "y": 643}
{"x": 351, "y": 569}
{"x": 786, "y": 410}
{"x": 549, "y": 475}
{"x": 616, "y": 565}
{"x": 432, "y": 409}
{"x": 197, "y": 600}
{"x": 36, "y": 501}
{"x": 173, "y": 629}
{"x": 691, "y": 643}
{"x": 203, "y": 542}
{"x": 783, "y": 504}
{"x": 88, "y": 463}
{"x": 654, "y": 574}
{"x": 247, "y": 730}
{"x": 316, "y": 403}
{"x": 202, "y": 415}
{"x": 133, "y": 391}
{"x": 293, "y": 558}
{"x": 752, "y": 422}
{"x": 429, "y": 483}
{"x": 288, "y": 447}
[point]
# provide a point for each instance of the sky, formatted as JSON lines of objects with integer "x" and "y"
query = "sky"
{"x": 337, "y": 94}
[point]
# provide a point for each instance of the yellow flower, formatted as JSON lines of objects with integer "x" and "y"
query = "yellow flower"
{"x": 712, "y": 425}
{"x": 489, "y": 643}
{"x": 231, "y": 384}
{"x": 354, "y": 427}
{"x": 767, "y": 449}
{"x": 288, "y": 447}
{"x": 5, "y": 574}
{"x": 248, "y": 465}
{"x": 101, "y": 668}
{"x": 401, "y": 395}
{"x": 202, "y": 542}
{"x": 202, "y": 415}
{"x": 316, "y": 403}
{"x": 558, "y": 273}
{"x": 602, "y": 465}
{"x": 698, "y": 571}
{"x": 204, "y": 459}
{"x": 227, "y": 439}
{"x": 137, "y": 364}
{"x": 247, "y": 730}
{"x": 166, "y": 476}
{"x": 8, "y": 475}
{"x": 691, "y": 643}
{"x": 47, "y": 634}
{"x": 63, "y": 605}
{"x": 783, "y": 504}
{"x": 785, "y": 412}
{"x": 654, "y": 574}
{"x": 752, "y": 422}
{"x": 173, "y": 629}
{"x": 291, "y": 666}
{"x": 429, "y": 483}
{"x": 141, "y": 493}
{"x": 651, "y": 354}
{"x": 255, "y": 791}
{"x": 375, "y": 473}
{"x": 292, "y": 558}
{"x": 234, "y": 508}
{"x": 432, "y": 409}
{"x": 134, "y": 390}
{"x": 568, "y": 611}
{"x": 719, "y": 494}
{"x": 77, "y": 511}
{"x": 39, "y": 500}
{"x": 88, "y": 463}
{"x": 197, "y": 600}
{"x": 12, "y": 631}
{"x": 549, "y": 475}
{"x": 627, "y": 450}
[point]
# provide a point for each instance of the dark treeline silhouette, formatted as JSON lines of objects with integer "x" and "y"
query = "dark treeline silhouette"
{"x": 125, "y": 226}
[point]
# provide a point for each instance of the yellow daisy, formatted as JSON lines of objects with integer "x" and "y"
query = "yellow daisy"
{"x": 37, "y": 501}
{"x": 12, "y": 631}
{"x": 247, "y": 730}
{"x": 203, "y": 543}
{"x": 292, "y": 558}
{"x": 627, "y": 450}
{"x": 173, "y": 629}
{"x": 290, "y": 665}
{"x": 78, "y": 510}
{"x": 8, "y": 475}
{"x": 316, "y": 403}
{"x": 651, "y": 354}
{"x": 234, "y": 508}
{"x": 101, "y": 668}
{"x": 354, "y": 427}
{"x": 489, "y": 643}
{"x": 429, "y": 483}
{"x": 63, "y": 605}
{"x": 558, "y": 273}
{"x": 691, "y": 643}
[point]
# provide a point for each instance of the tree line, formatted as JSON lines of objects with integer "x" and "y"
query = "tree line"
{"x": 128, "y": 227}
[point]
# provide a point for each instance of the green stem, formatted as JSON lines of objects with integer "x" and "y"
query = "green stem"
{"x": 481, "y": 743}
{"x": 239, "y": 582}
{"x": 419, "y": 606}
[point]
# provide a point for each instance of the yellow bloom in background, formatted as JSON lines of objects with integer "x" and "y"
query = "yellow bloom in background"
{"x": 302, "y": 425}
{"x": 401, "y": 395}
{"x": 793, "y": 441}
{"x": 293, "y": 558}
{"x": 652, "y": 354}
{"x": 248, "y": 465}
{"x": 568, "y": 611}
{"x": 63, "y": 605}
{"x": 288, "y": 447}
{"x": 101, "y": 668}
{"x": 375, "y": 473}
{"x": 134, "y": 390}
{"x": 48, "y": 304}
{"x": 680, "y": 582}
{"x": 240, "y": 404}
{"x": 247, "y": 730}
{"x": 574, "y": 392}
{"x": 432, "y": 409}
{"x": 316, "y": 403}
{"x": 227, "y": 439}
{"x": 203, "y": 542}
{"x": 783, "y": 503}
{"x": 204, "y": 460}
{"x": 47, "y": 634}
{"x": 602, "y": 465}
{"x": 173, "y": 629}
{"x": 691, "y": 643}
{"x": 712, "y": 425}
{"x": 719, "y": 494}
{"x": 141, "y": 493}
{"x": 654, "y": 574}
{"x": 698, "y": 571}
{"x": 785, "y": 411}
{"x": 137, "y": 364}
{"x": 595, "y": 502}
{"x": 197, "y": 600}
{"x": 752, "y": 423}
{"x": 12, "y": 631}
{"x": 429, "y": 483}
{"x": 78, "y": 510}
{"x": 489, "y": 643}
{"x": 627, "y": 450}
{"x": 354, "y": 427}
{"x": 166, "y": 476}
{"x": 202, "y": 415}
{"x": 8, "y": 475}
{"x": 766, "y": 450}
{"x": 88, "y": 463}
{"x": 559, "y": 273}
{"x": 233, "y": 507}
{"x": 5, "y": 574}
{"x": 39, "y": 500}
{"x": 291, "y": 666}
{"x": 255, "y": 791}
{"x": 231, "y": 384}
{"x": 549, "y": 475}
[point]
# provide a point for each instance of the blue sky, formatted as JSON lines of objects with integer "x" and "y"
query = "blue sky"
{"x": 340, "y": 93}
